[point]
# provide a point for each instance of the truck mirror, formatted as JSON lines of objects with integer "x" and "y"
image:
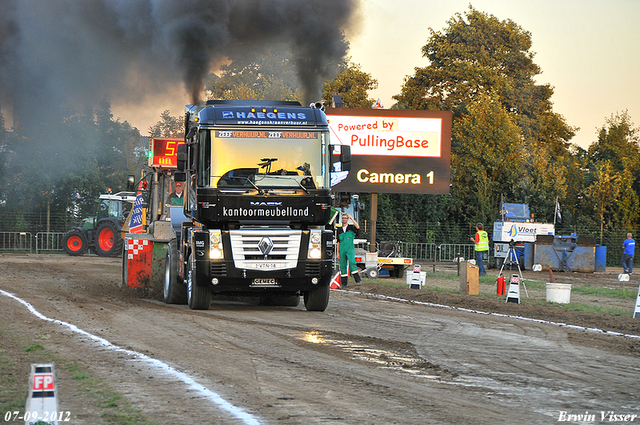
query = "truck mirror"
{"x": 345, "y": 158}
{"x": 182, "y": 157}
{"x": 340, "y": 154}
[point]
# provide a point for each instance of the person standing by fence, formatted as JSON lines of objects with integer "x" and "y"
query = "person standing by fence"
{"x": 482, "y": 245}
{"x": 628, "y": 251}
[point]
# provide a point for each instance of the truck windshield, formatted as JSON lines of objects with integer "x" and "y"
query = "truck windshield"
{"x": 267, "y": 159}
{"x": 516, "y": 212}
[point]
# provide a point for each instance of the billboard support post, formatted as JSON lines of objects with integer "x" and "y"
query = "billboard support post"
{"x": 374, "y": 219}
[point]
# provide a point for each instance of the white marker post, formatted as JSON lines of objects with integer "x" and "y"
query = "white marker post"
{"x": 636, "y": 311}
{"x": 42, "y": 403}
{"x": 416, "y": 282}
{"x": 513, "y": 294}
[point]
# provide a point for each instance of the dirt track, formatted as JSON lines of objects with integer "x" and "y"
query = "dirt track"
{"x": 363, "y": 361}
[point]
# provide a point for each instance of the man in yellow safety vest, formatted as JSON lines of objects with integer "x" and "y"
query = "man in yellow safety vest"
{"x": 482, "y": 245}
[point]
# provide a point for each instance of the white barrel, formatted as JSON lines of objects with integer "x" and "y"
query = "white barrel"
{"x": 559, "y": 293}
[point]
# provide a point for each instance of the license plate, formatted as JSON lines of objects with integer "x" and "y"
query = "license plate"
{"x": 263, "y": 265}
{"x": 265, "y": 281}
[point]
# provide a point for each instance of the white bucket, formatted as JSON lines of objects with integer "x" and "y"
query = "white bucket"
{"x": 558, "y": 293}
{"x": 423, "y": 278}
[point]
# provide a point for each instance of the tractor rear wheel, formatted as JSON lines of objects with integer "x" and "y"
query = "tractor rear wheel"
{"x": 74, "y": 242}
{"x": 108, "y": 240}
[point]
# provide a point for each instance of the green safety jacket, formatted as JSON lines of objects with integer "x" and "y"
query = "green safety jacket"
{"x": 483, "y": 241}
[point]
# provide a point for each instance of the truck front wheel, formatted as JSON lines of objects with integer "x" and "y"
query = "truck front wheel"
{"x": 318, "y": 299}
{"x": 174, "y": 291}
{"x": 198, "y": 297}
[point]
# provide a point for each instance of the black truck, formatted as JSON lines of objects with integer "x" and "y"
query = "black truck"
{"x": 257, "y": 204}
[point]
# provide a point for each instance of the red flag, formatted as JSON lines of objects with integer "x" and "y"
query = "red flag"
{"x": 335, "y": 282}
{"x": 136, "y": 218}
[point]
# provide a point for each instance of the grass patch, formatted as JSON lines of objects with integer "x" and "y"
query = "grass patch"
{"x": 115, "y": 409}
{"x": 621, "y": 293}
{"x": 34, "y": 347}
{"x": 585, "y": 308}
{"x": 487, "y": 290}
{"x": 613, "y": 311}
{"x": 18, "y": 351}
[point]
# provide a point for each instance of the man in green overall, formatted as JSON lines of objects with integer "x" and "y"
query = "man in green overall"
{"x": 346, "y": 251}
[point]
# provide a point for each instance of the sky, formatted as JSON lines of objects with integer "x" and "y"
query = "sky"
{"x": 587, "y": 50}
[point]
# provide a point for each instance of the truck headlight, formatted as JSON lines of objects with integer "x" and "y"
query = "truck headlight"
{"x": 315, "y": 238}
{"x": 315, "y": 253}
{"x": 216, "y": 251}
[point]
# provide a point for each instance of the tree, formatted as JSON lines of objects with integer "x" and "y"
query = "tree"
{"x": 617, "y": 141}
{"x": 270, "y": 75}
{"x": 617, "y": 151}
{"x": 168, "y": 126}
{"x": 479, "y": 59}
{"x": 58, "y": 160}
{"x": 487, "y": 159}
{"x": 353, "y": 85}
{"x": 601, "y": 195}
{"x": 476, "y": 53}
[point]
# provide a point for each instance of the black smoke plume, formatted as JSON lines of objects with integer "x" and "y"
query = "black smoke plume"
{"x": 71, "y": 52}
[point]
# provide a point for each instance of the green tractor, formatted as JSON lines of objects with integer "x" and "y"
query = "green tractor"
{"x": 101, "y": 233}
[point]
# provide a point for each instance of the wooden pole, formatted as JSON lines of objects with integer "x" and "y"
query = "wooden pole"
{"x": 374, "y": 219}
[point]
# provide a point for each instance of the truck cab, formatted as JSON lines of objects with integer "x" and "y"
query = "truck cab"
{"x": 257, "y": 201}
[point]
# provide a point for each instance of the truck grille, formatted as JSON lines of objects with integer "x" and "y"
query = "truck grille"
{"x": 265, "y": 249}
{"x": 218, "y": 269}
{"x": 312, "y": 269}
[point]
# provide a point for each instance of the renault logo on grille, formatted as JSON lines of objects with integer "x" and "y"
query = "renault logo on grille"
{"x": 265, "y": 245}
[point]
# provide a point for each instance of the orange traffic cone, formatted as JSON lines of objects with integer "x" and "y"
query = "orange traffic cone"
{"x": 335, "y": 282}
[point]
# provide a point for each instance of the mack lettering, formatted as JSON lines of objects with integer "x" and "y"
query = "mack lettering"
{"x": 265, "y": 204}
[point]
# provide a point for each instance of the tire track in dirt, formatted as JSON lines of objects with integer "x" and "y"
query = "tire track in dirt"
{"x": 160, "y": 366}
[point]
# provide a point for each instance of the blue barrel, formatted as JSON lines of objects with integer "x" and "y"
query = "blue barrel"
{"x": 601, "y": 258}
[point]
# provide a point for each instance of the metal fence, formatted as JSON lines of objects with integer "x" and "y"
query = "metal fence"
{"x": 26, "y": 242}
{"x": 419, "y": 251}
{"x": 11, "y": 241}
{"x": 430, "y": 251}
{"x": 49, "y": 241}
{"x": 16, "y": 241}
{"x": 436, "y": 253}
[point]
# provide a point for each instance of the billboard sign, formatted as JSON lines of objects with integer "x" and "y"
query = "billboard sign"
{"x": 394, "y": 151}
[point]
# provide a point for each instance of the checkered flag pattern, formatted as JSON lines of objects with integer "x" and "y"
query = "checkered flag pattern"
{"x": 136, "y": 246}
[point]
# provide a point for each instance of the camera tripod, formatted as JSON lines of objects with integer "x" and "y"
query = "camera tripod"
{"x": 512, "y": 257}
